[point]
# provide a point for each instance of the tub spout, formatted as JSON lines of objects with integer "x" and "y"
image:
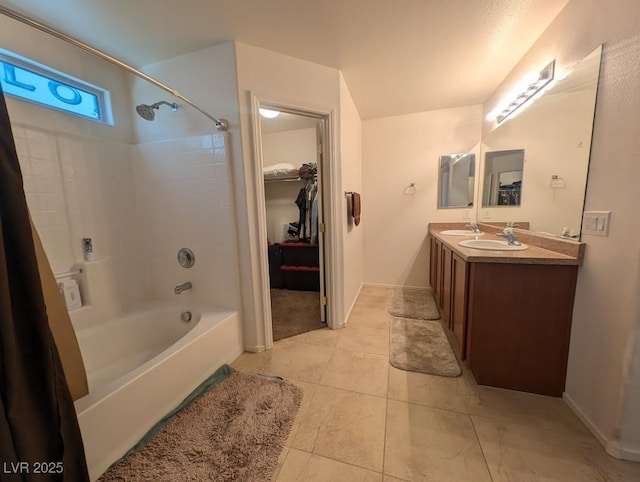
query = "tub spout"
{"x": 183, "y": 287}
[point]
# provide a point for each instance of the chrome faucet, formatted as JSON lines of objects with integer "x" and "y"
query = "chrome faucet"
{"x": 512, "y": 224}
{"x": 473, "y": 226}
{"x": 183, "y": 287}
{"x": 507, "y": 233}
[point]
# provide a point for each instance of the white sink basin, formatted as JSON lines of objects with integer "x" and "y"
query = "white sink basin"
{"x": 460, "y": 232}
{"x": 492, "y": 244}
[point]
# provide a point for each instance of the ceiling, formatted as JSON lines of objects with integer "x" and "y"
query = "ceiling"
{"x": 397, "y": 56}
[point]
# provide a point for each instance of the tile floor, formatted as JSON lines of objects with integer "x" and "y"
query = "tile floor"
{"x": 363, "y": 420}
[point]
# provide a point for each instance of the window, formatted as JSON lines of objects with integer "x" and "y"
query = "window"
{"x": 28, "y": 80}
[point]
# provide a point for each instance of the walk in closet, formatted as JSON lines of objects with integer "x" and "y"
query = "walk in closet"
{"x": 292, "y": 177}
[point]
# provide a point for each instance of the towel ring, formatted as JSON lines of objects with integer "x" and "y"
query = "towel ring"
{"x": 411, "y": 188}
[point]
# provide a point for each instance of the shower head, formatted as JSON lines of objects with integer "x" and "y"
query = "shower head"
{"x": 147, "y": 111}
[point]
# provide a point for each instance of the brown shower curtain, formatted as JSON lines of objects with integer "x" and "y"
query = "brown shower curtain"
{"x": 39, "y": 435}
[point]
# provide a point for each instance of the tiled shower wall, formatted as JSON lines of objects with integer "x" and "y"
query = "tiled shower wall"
{"x": 139, "y": 204}
{"x": 77, "y": 187}
{"x": 184, "y": 191}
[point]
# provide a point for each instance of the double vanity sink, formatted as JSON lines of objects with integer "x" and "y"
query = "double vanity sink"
{"x": 508, "y": 307}
{"x": 489, "y": 244}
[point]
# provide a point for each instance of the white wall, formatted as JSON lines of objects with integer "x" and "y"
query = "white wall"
{"x": 604, "y": 360}
{"x": 294, "y": 147}
{"x": 397, "y": 151}
{"x": 77, "y": 175}
{"x": 282, "y": 80}
{"x": 184, "y": 201}
{"x": 184, "y": 177}
{"x": 351, "y": 159}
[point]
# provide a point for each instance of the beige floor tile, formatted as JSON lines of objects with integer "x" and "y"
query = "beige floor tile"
{"x": 424, "y": 443}
{"x": 281, "y": 459}
{"x": 302, "y": 466}
{"x": 373, "y": 300}
{"x": 525, "y": 409}
{"x": 308, "y": 391}
{"x": 288, "y": 359}
{"x": 612, "y": 469}
{"x": 371, "y": 317}
{"x": 431, "y": 390}
{"x": 365, "y": 338}
{"x": 323, "y": 337}
{"x": 345, "y": 426}
{"x": 253, "y": 362}
{"x": 374, "y": 290}
{"x": 358, "y": 371}
{"x": 388, "y": 478}
{"x": 516, "y": 453}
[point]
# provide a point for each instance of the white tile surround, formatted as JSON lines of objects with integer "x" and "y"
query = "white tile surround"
{"x": 184, "y": 200}
{"x": 139, "y": 204}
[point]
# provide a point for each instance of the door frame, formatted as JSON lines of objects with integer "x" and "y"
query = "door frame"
{"x": 330, "y": 186}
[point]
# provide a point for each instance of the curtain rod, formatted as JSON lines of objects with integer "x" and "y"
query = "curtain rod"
{"x": 221, "y": 124}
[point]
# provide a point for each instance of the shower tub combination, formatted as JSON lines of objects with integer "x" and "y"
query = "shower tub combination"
{"x": 141, "y": 366}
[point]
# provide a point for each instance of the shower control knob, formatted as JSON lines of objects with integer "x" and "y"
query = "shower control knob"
{"x": 186, "y": 258}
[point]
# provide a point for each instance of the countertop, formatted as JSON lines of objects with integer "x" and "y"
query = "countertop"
{"x": 532, "y": 255}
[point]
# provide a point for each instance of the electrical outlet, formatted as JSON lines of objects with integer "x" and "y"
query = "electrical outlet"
{"x": 465, "y": 214}
{"x": 486, "y": 214}
{"x": 596, "y": 223}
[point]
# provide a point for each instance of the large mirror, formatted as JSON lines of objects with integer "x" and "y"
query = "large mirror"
{"x": 535, "y": 163}
{"x": 456, "y": 179}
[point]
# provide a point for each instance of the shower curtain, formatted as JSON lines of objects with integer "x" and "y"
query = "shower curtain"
{"x": 39, "y": 434}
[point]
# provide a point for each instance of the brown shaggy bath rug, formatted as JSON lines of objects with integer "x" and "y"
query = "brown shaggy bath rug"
{"x": 414, "y": 303}
{"x": 234, "y": 431}
{"x": 422, "y": 346}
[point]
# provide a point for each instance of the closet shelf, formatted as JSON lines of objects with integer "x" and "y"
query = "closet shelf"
{"x": 284, "y": 267}
{"x": 298, "y": 245}
{"x": 282, "y": 179}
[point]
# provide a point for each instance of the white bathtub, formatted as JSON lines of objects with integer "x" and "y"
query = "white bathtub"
{"x": 141, "y": 366}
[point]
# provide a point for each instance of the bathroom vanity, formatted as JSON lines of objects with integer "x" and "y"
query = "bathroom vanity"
{"x": 509, "y": 311}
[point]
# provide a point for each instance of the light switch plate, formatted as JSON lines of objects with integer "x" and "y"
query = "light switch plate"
{"x": 596, "y": 223}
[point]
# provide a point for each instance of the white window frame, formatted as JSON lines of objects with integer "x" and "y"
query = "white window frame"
{"x": 105, "y": 114}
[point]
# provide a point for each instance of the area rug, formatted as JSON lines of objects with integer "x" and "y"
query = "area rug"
{"x": 422, "y": 346}
{"x": 294, "y": 312}
{"x": 233, "y": 431}
{"x": 413, "y": 303}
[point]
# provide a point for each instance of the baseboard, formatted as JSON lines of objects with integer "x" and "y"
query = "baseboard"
{"x": 383, "y": 285}
{"x": 353, "y": 303}
{"x": 612, "y": 447}
{"x": 254, "y": 349}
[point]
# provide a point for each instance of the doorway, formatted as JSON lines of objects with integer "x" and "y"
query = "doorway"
{"x": 292, "y": 161}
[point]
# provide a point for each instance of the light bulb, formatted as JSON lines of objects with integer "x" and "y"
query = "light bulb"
{"x": 269, "y": 113}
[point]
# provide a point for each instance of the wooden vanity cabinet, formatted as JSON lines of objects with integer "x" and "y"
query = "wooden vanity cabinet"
{"x": 512, "y": 321}
{"x": 519, "y": 324}
{"x": 448, "y": 277}
{"x": 459, "y": 300}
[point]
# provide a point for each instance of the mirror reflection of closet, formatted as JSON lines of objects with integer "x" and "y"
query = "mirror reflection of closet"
{"x": 503, "y": 178}
{"x": 293, "y": 204}
{"x": 456, "y": 180}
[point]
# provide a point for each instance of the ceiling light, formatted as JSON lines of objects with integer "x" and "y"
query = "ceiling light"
{"x": 269, "y": 113}
{"x": 528, "y": 88}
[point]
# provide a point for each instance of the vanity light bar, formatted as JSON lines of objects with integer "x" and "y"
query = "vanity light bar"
{"x": 531, "y": 85}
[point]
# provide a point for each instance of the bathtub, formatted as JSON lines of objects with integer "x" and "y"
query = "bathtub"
{"x": 140, "y": 366}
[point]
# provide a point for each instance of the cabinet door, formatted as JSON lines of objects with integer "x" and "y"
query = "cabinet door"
{"x": 447, "y": 256}
{"x": 459, "y": 295}
{"x": 433, "y": 262}
{"x": 437, "y": 288}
